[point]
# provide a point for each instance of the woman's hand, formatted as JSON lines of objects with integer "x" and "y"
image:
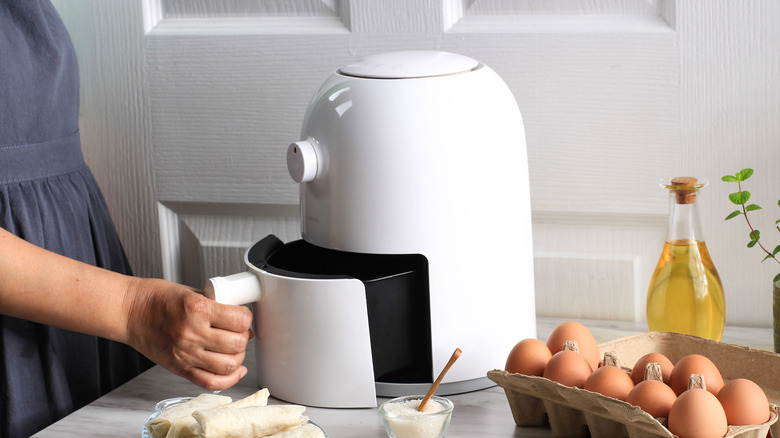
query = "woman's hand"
{"x": 190, "y": 335}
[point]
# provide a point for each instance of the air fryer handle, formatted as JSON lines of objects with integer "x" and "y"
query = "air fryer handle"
{"x": 244, "y": 287}
{"x": 241, "y": 288}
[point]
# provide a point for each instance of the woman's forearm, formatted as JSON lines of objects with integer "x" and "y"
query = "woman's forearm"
{"x": 171, "y": 324}
{"x": 41, "y": 286}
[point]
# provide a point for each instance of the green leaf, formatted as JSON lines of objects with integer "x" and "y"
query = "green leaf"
{"x": 744, "y": 174}
{"x": 776, "y": 279}
{"x": 768, "y": 256}
{"x": 776, "y": 250}
{"x": 753, "y": 207}
{"x": 736, "y": 213}
{"x": 729, "y": 178}
{"x": 754, "y": 236}
{"x": 740, "y": 198}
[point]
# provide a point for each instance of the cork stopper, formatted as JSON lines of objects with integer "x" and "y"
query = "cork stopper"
{"x": 684, "y": 196}
{"x": 610, "y": 360}
{"x": 696, "y": 381}
{"x": 653, "y": 371}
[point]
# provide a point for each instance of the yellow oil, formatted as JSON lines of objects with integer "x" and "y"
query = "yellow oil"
{"x": 685, "y": 293}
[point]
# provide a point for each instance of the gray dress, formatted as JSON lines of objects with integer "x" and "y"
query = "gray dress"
{"x": 49, "y": 197}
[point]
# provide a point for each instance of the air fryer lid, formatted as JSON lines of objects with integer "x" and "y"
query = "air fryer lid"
{"x": 410, "y": 64}
{"x": 397, "y": 298}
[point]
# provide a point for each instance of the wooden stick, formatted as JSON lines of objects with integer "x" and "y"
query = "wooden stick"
{"x": 435, "y": 385}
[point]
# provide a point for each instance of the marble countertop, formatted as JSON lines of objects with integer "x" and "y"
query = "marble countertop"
{"x": 122, "y": 412}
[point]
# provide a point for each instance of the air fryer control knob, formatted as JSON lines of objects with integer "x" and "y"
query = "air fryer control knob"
{"x": 302, "y": 161}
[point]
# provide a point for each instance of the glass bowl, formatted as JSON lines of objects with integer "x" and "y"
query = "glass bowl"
{"x": 402, "y": 420}
{"x": 168, "y": 403}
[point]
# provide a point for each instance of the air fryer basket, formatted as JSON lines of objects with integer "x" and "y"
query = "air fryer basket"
{"x": 397, "y": 298}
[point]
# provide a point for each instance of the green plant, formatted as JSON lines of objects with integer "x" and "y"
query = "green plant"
{"x": 741, "y": 198}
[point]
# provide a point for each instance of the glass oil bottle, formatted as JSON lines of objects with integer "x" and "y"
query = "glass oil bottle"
{"x": 685, "y": 293}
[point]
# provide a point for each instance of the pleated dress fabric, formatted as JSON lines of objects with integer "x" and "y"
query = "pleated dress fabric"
{"x": 49, "y": 197}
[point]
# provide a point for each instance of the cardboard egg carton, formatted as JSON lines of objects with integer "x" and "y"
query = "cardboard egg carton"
{"x": 574, "y": 412}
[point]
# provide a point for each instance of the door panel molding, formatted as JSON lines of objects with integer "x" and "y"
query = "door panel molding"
{"x": 594, "y": 265}
{"x": 559, "y": 16}
{"x": 214, "y": 17}
{"x": 203, "y": 240}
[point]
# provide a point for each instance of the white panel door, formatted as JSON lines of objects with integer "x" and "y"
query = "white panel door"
{"x": 188, "y": 107}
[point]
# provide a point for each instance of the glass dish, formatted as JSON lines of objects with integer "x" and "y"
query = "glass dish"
{"x": 168, "y": 403}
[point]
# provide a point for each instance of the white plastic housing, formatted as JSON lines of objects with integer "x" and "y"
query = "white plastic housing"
{"x": 299, "y": 364}
{"x": 424, "y": 152}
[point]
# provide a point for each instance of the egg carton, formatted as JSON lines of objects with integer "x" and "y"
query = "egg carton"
{"x": 574, "y": 412}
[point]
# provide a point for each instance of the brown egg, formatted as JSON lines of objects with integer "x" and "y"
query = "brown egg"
{"x": 652, "y": 396}
{"x": 568, "y": 368}
{"x": 697, "y": 414}
{"x": 744, "y": 402}
{"x": 695, "y": 364}
{"x": 610, "y": 381}
{"x": 574, "y": 331}
{"x": 529, "y": 357}
{"x": 638, "y": 372}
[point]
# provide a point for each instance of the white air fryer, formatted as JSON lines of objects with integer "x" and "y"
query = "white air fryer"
{"x": 416, "y": 226}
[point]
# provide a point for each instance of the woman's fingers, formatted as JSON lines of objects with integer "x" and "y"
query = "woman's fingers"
{"x": 217, "y": 344}
{"x": 229, "y": 330}
{"x": 229, "y": 317}
{"x": 215, "y": 382}
{"x": 209, "y": 369}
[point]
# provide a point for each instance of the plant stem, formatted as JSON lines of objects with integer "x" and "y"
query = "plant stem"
{"x": 744, "y": 213}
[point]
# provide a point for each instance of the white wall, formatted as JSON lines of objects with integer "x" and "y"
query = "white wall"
{"x": 185, "y": 121}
